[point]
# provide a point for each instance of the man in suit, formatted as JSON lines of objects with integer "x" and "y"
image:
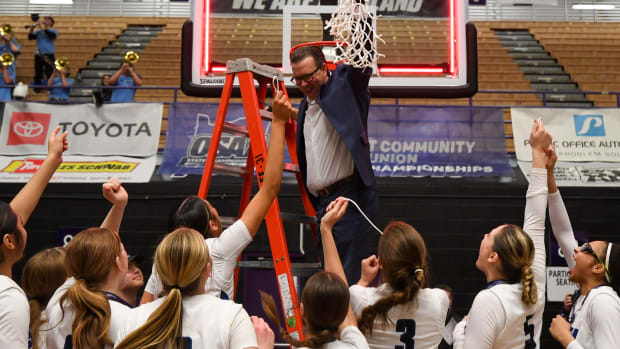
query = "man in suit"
{"x": 333, "y": 149}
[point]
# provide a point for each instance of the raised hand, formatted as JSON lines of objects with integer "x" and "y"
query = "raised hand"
{"x": 264, "y": 335}
{"x": 560, "y": 330}
{"x": 370, "y": 268}
{"x": 281, "y": 107}
{"x": 550, "y": 158}
{"x": 56, "y": 145}
{"x": 540, "y": 138}
{"x": 114, "y": 192}
{"x": 335, "y": 210}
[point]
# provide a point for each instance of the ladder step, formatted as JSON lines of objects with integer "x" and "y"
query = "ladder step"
{"x": 288, "y": 167}
{"x": 266, "y": 115}
{"x": 297, "y": 218}
{"x": 236, "y": 129}
{"x": 230, "y": 170}
{"x": 297, "y": 268}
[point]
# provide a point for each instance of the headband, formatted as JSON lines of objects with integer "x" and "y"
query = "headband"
{"x": 607, "y": 274}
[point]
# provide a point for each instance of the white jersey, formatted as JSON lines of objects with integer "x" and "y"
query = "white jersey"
{"x": 224, "y": 251}
{"x": 595, "y": 320}
{"x": 498, "y": 318}
{"x": 208, "y": 322}
{"x": 14, "y": 315}
{"x": 60, "y": 327}
{"x": 422, "y": 322}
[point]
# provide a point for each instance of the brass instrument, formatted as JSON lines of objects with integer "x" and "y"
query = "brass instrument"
{"x": 6, "y": 29}
{"x": 131, "y": 57}
{"x": 7, "y": 59}
{"x": 62, "y": 63}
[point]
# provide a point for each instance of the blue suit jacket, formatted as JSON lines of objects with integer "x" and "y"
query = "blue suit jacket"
{"x": 345, "y": 100}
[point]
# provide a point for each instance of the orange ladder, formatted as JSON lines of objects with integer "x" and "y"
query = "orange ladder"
{"x": 247, "y": 71}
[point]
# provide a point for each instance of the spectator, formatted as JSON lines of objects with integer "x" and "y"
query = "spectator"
{"x": 45, "y": 50}
{"x": 106, "y": 93}
{"x": 7, "y": 74}
{"x": 126, "y": 76}
{"x": 61, "y": 85}
{"x": 8, "y": 43}
{"x": 451, "y": 320}
{"x": 135, "y": 281}
{"x": 43, "y": 274}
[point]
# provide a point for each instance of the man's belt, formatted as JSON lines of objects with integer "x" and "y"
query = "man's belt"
{"x": 335, "y": 186}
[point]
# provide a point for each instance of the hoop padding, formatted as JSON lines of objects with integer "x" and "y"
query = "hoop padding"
{"x": 351, "y": 25}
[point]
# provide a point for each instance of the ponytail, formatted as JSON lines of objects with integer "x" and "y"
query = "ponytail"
{"x": 529, "y": 294}
{"x": 92, "y": 316}
{"x": 269, "y": 306}
{"x": 382, "y": 306}
{"x": 402, "y": 253}
{"x": 163, "y": 327}
{"x": 35, "y": 321}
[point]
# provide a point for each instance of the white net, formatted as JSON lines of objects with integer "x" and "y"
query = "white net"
{"x": 352, "y": 27}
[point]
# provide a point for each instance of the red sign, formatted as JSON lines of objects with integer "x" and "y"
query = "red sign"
{"x": 28, "y": 128}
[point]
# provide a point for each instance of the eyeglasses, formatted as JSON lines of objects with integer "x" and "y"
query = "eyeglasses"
{"x": 307, "y": 78}
{"x": 587, "y": 248}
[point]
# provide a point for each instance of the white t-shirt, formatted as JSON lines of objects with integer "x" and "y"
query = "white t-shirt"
{"x": 596, "y": 320}
{"x": 422, "y": 322}
{"x": 498, "y": 318}
{"x": 61, "y": 327}
{"x": 224, "y": 251}
{"x": 14, "y": 315}
{"x": 208, "y": 322}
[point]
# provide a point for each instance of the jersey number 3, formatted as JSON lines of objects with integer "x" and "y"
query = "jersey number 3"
{"x": 407, "y": 326}
{"x": 528, "y": 328}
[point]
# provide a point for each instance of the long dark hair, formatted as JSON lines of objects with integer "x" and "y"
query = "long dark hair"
{"x": 402, "y": 253}
{"x": 193, "y": 213}
{"x": 326, "y": 302}
{"x": 8, "y": 225}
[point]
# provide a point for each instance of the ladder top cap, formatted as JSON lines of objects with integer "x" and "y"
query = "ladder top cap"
{"x": 246, "y": 64}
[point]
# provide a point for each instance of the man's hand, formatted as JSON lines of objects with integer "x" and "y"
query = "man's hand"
{"x": 370, "y": 268}
{"x": 264, "y": 334}
{"x": 56, "y": 145}
{"x": 114, "y": 192}
{"x": 281, "y": 107}
{"x": 335, "y": 210}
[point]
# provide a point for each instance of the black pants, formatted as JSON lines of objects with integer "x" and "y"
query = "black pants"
{"x": 41, "y": 67}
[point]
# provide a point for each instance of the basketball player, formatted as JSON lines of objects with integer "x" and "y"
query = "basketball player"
{"x": 594, "y": 317}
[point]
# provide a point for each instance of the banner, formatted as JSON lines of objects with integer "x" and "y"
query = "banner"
{"x": 587, "y": 142}
{"x": 114, "y": 140}
{"x": 404, "y": 141}
{"x": 416, "y": 8}
{"x": 578, "y": 134}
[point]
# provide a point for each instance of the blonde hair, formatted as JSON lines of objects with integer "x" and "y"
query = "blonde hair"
{"x": 42, "y": 275}
{"x": 91, "y": 254}
{"x": 516, "y": 252}
{"x": 402, "y": 253}
{"x": 180, "y": 261}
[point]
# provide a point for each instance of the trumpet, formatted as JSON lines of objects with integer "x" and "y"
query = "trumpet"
{"x": 6, "y": 29}
{"x": 62, "y": 63}
{"x": 7, "y": 59}
{"x": 131, "y": 57}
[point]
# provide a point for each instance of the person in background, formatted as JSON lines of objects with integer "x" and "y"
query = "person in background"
{"x": 106, "y": 93}
{"x": 60, "y": 84}
{"x": 451, "y": 320}
{"x": 7, "y": 77}
{"x": 8, "y": 43}
{"x": 126, "y": 76}
{"x": 44, "y": 53}
{"x": 135, "y": 280}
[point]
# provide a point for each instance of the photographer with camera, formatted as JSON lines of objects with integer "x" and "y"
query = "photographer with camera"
{"x": 44, "y": 53}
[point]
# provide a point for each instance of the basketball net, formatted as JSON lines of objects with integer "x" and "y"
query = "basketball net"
{"x": 352, "y": 28}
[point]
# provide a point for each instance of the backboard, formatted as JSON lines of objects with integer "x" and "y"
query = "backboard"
{"x": 429, "y": 45}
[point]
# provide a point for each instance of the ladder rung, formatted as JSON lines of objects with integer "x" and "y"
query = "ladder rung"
{"x": 268, "y": 264}
{"x": 297, "y": 218}
{"x": 288, "y": 167}
{"x": 236, "y": 129}
{"x": 265, "y": 115}
{"x": 230, "y": 170}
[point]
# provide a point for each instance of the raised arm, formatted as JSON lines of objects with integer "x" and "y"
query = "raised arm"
{"x": 119, "y": 72}
{"x": 50, "y": 80}
{"x": 114, "y": 192}
{"x": 560, "y": 222}
{"x": 136, "y": 78}
{"x": 335, "y": 210}
{"x": 536, "y": 198}
{"x": 5, "y": 75}
{"x": 28, "y": 197}
{"x": 259, "y": 205}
